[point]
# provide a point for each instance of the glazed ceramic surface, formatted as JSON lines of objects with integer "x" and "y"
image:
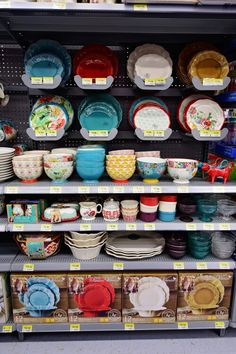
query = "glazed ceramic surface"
{"x": 182, "y": 170}
{"x": 58, "y": 173}
{"x": 151, "y": 167}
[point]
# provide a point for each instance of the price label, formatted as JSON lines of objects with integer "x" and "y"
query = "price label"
{"x": 131, "y": 227}
{"x": 87, "y": 81}
{"x": 154, "y": 133}
{"x": 118, "y": 266}
{"x": 28, "y": 267}
{"x": 210, "y": 133}
{"x": 178, "y": 265}
{"x": 55, "y": 189}
{"x": 103, "y": 319}
{"x": 219, "y": 324}
{"x": 50, "y": 320}
{"x": 11, "y": 190}
{"x": 36, "y": 80}
{"x": 101, "y": 81}
{"x": 157, "y": 320}
{"x": 118, "y": 189}
{"x": 218, "y": 189}
{"x": 212, "y": 82}
{"x": 183, "y": 189}
{"x": 150, "y": 227}
{"x": 103, "y": 189}
{"x": 155, "y": 82}
{"x": 27, "y": 328}
{"x": 129, "y": 326}
{"x": 84, "y": 189}
{"x": 208, "y": 227}
{"x": 51, "y": 132}
{"x": 156, "y": 189}
{"x": 138, "y": 189}
{"x": 191, "y": 227}
{"x": 48, "y": 80}
{"x": 112, "y": 227}
{"x": 75, "y": 266}
{"x": 98, "y": 133}
{"x": 201, "y": 265}
{"x": 182, "y": 325}
{"x": 46, "y": 227}
{"x": 224, "y": 265}
{"x": 74, "y": 327}
{"x": 59, "y": 4}
{"x": 40, "y": 132}
{"x": 225, "y": 227}
{"x": 5, "y": 4}
{"x": 85, "y": 227}
{"x": 6, "y": 329}
{"x": 18, "y": 227}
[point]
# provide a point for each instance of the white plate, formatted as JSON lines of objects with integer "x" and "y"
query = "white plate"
{"x": 151, "y": 118}
{"x": 153, "y": 66}
{"x": 6, "y": 151}
{"x": 142, "y": 243}
{"x": 131, "y": 258}
{"x": 149, "y": 297}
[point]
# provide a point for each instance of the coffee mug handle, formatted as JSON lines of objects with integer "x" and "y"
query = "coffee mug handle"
{"x": 100, "y": 207}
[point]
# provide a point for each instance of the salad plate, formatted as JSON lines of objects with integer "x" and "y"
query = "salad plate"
{"x": 44, "y": 65}
{"x": 151, "y": 116}
{"x": 153, "y": 66}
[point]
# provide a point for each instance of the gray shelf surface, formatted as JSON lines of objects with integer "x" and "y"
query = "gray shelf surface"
{"x": 7, "y": 327}
{"x": 7, "y": 256}
{"x": 64, "y": 262}
{"x": 106, "y": 186}
{"x": 86, "y": 327}
{"x": 3, "y": 224}
{"x": 100, "y": 225}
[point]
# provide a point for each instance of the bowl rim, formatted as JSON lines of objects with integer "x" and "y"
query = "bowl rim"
{"x": 151, "y": 159}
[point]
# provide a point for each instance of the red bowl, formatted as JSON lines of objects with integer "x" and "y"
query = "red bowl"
{"x": 149, "y": 199}
{"x": 168, "y": 198}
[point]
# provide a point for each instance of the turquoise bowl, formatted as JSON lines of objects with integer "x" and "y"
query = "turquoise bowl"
{"x": 91, "y": 158}
{"x": 90, "y": 174}
{"x": 88, "y": 163}
{"x": 151, "y": 168}
{"x": 199, "y": 255}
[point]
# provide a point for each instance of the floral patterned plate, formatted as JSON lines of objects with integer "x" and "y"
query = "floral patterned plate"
{"x": 204, "y": 114}
{"x": 151, "y": 116}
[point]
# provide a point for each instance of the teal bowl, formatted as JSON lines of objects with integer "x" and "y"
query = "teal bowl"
{"x": 90, "y": 163}
{"x": 90, "y": 174}
{"x": 199, "y": 255}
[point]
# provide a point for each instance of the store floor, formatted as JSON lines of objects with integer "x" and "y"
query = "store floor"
{"x": 188, "y": 342}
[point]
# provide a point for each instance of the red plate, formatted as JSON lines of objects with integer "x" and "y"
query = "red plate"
{"x": 95, "y": 297}
{"x": 95, "y": 66}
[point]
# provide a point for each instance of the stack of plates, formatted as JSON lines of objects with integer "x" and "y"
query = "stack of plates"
{"x": 135, "y": 245}
{"x": 6, "y": 169}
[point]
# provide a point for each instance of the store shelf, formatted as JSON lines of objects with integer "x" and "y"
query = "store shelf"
{"x": 7, "y": 256}
{"x": 66, "y": 262}
{"x": 3, "y": 224}
{"x": 8, "y": 327}
{"x": 91, "y": 327}
{"x": 106, "y": 186}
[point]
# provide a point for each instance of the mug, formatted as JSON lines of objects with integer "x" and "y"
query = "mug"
{"x": 89, "y": 210}
{"x": 7, "y": 131}
{"x": 4, "y": 99}
{"x": 20, "y": 149}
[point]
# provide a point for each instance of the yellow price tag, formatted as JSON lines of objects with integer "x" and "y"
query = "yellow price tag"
{"x": 156, "y": 189}
{"x": 219, "y": 324}
{"x": 210, "y": 133}
{"x": 28, "y": 267}
{"x": 55, "y": 189}
{"x": 131, "y": 227}
{"x": 118, "y": 189}
{"x": 103, "y": 320}
{"x": 11, "y": 190}
{"x": 138, "y": 189}
{"x": 183, "y": 189}
{"x": 87, "y": 81}
{"x": 149, "y": 226}
{"x": 182, "y": 325}
{"x": 212, "y": 82}
{"x": 46, "y": 227}
{"x": 84, "y": 189}
{"x": 208, "y": 227}
{"x": 36, "y": 80}
{"x": 129, "y": 326}
{"x": 103, "y": 189}
{"x": 118, "y": 266}
{"x": 178, "y": 265}
{"x": 7, "y": 329}
{"x": 155, "y": 81}
{"x": 51, "y": 132}
{"x": 40, "y": 131}
{"x": 48, "y": 80}
{"x": 74, "y": 327}
{"x": 225, "y": 227}
{"x": 201, "y": 265}
{"x": 158, "y": 320}
{"x": 50, "y": 320}
{"x": 85, "y": 227}
{"x": 27, "y": 328}
{"x": 98, "y": 133}
{"x": 18, "y": 227}
{"x": 59, "y": 4}
{"x": 224, "y": 265}
{"x": 112, "y": 227}
{"x": 191, "y": 227}
{"x": 75, "y": 266}
{"x": 101, "y": 81}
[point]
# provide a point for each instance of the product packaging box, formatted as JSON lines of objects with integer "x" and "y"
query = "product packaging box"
{"x": 5, "y": 298}
{"x": 39, "y": 298}
{"x": 204, "y": 295}
{"x": 149, "y": 297}
{"x": 25, "y": 211}
{"x": 94, "y": 297}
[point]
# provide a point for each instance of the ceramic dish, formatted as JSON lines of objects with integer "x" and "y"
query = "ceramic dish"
{"x": 84, "y": 236}
{"x": 182, "y": 170}
{"x": 44, "y": 65}
{"x": 153, "y": 66}
{"x": 151, "y": 116}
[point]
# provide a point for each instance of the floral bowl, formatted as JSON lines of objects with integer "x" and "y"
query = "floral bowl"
{"x": 27, "y": 158}
{"x": 151, "y": 168}
{"x": 28, "y": 175}
{"x": 57, "y": 165}
{"x": 58, "y": 157}
{"x": 147, "y": 154}
{"x": 59, "y": 172}
{"x": 27, "y": 164}
{"x": 120, "y": 174}
{"x": 182, "y": 170}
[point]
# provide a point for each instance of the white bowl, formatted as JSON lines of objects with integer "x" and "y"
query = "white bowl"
{"x": 148, "y": 209}
{"x": 182, "y": 170}
{"x": 64, "y": 151}
{"x": 37, "y": 152}
{"x": 28, "y": 175}
{"x": 169, "y": 207}
{"x": 129, "y": 204}
{"x": 83, "y": 236}
{"x": 86, "y": 253}
{"x": 86, "y": 243}
{"x": 27, "y": 158}
{"x": 27, "y": 164}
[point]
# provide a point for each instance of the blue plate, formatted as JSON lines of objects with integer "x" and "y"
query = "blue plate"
{"x": 45, "y": 65}
{"x": 99, "y": 116}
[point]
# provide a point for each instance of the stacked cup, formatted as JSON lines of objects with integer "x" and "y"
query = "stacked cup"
{"x": 167, "y": 207}
{"x": 199, "y": 244}
{"x": 129, "y": 210}
{"x": 148, "y": 207}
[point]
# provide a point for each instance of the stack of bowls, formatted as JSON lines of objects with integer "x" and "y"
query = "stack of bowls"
{"x": 85, "y": 246}
{"x": 121, "y": 166}
{"x": 6, "y": 156}
{"x": 199, "y": 244}
{"x": 187, "y": 206}
{"x": 147, "y": 154}
{"x": 90, "y": 162}
{"x": 223, "y": 244}
{"x": 129, "y": 210}
{"x": 176, "y": 245}
{"x": 206, "y": 208}
{"x": 58, "y": 167}
{"x": 28, "y": 168}
{"x": 167, "y": 207}
{"x": 151, "y": 168}
{"x": 148, "y": 208}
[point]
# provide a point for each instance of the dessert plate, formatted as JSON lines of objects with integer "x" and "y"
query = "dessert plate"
{"x": 151, "y": 116}
{"x": 153, "y": 66}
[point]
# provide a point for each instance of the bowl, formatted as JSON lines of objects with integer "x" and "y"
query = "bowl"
{"x": 151, "y": 168}
{"x": 86, "y": 163}
{"x": 166, "y": 216}
{"x": 147, "y": 217}
{"x": 90, "y": 174}
{"x": 27, "y": 164}
{"x": 121, "y": 152}
{"x": 58, "y": 165}
{"x": 129, "y": 204}
{"x": 120, "y": 175}
{"x": 120, "y": 158}
{"x": 206, "y": 208}
{"x": 121, "y": 164}
{"x": 86, "y": 243}
{"x": 84, "y": 236}
{"x": 59, "y": 174}
{"x": 64, "y": 151}
{"x": 148, "y": 209}
{"x": 37, "y": 152}
{"x": 58, "y": 157}
{"x": 88, "y": 157}
{"x": 26, "y": 158}
{"x": 28, "y": 175}
{"x": 85, "y": 253}
{"x": 182, "y": 170}
{"x": 149, "y": 199}
{"x": 147, "y": 154}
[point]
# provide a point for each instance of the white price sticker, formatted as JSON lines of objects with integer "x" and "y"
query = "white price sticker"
{"x": 112, "y": 227}
{"x": 219, "y": 324}
{"x": 154, "y": 133}
{"x": 183, "y": 189}
{"x": 138, "y": 189}
{"x": 84, "y": 189}
{"x": 59, "y": 4}
{"x": 100, "y": 81}
{"x": 48, "y": 80}
{"x": 225, "y": 227}
{"x": 131, "y": 227}
{"x": 149, "y": 226}
{"x": 6, "y": 329}
{"x": 85, "y": 227}
{"x": 178, "y": 265}
{"x": 98, "y": 133}
{"x": 224, "y": 265}
{"x": 55, "y": 189}
{"x": 46, "y": 227}
{"x": 156, "y": 189}
{"x": 87, "y": 81}
{"x": 74, "y": 327}
{"x": 27, "y": 328}
{"x": 103, "y": 190}
{"x": 155, "y": 82}
{"x": 28, "y": 267}
{"x": 75, "y": 266}
{"x": 208, "y": 227}
{"x": 118, "y": 266}
{"x": 36, "y": 80}
{"x": 212, "y": 82}
{"x": 210, "y": 133}
{"x": 191, "y": 227}
{"x": 182, "y": 325}
{"x": 11, "y": 190}
{"x": 201, "y": 265}
{"x": 118, "y": 189}
{"x": 18, "y": 227}
{"x": 129, "y": 326}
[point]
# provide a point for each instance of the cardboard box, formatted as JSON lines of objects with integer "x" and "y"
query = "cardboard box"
{"x": 204, "y": 295}
{"x": 39, "y": 298}
{"x": 25, "y": 211}
{"x": 149, "y": 297}
{"x": 5, "y": 298}
{"x": 94, "y": 297}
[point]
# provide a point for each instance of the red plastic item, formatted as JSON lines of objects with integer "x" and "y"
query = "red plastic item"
{"x": 168, "y": 198}
{"x": 148, "y": 199}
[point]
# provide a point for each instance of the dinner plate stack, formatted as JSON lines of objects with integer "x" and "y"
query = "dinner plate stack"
{"x": 135, "y": 245}
{"x": 6, "y": 168}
